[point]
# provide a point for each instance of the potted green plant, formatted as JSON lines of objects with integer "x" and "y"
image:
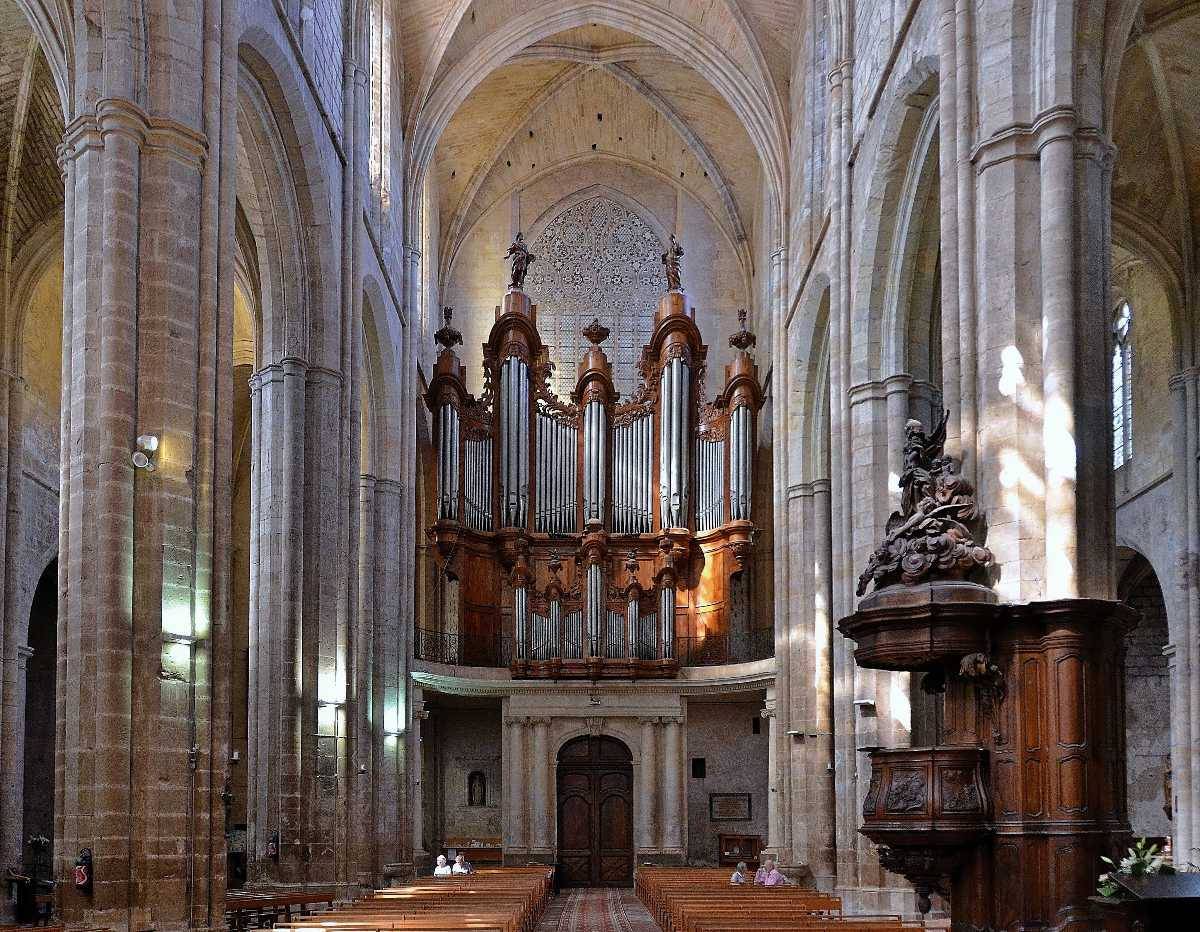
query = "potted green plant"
{"x": 1142, "y": 860}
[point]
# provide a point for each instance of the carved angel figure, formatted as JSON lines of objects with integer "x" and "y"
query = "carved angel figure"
{"x": 521, "y": 258}
{"x": 929, "y": 536}
{"x": 670, "y": 261}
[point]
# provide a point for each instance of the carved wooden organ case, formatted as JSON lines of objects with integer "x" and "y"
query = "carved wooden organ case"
{"x": 591, "y": 534}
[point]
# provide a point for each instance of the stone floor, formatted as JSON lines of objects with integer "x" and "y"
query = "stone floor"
{"x": 597, "y": 910}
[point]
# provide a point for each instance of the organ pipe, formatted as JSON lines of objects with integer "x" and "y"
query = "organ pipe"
{"x": 595, "y": 595}
{"x": 520, "y": 618}
{"x": 666, "y": 615}
{"x": 739, "y": 479}
{"x": 595, "y": 443}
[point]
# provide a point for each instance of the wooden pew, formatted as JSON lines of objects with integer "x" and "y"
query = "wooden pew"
{"x": 703, "y": 900}
{"x": 489, "y": 900}
{"x": 269, "y": 907}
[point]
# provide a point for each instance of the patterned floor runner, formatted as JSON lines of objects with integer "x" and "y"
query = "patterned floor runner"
{"x": 597, "y": 910}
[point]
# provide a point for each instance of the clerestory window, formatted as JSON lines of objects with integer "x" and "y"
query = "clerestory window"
{"x": 1122, "y": 385}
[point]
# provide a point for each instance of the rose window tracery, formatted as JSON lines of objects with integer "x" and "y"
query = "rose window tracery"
{"x": 597, "y": 259}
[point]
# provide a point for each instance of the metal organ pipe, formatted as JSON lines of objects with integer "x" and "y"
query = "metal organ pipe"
{"x": 523, "y": 445}
{"x": 673, "y": 443}
{"x": 520, "y": 618}
{"x": 449, "y": 434}
{"x": 666, "y": 615}
{"x": 665, "y": 446}
{"x": 739, "y": 472}
{"x": 502, "y": 412}
{"x": 594, "y": 593}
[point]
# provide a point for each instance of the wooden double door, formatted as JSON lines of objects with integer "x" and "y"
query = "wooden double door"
{"x": 595, "y": 813}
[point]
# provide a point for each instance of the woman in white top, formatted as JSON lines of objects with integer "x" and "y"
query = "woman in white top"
{"x": 443, "y": 868}
{"x": 461, "y": 866}
{"x": 739, "y": 875}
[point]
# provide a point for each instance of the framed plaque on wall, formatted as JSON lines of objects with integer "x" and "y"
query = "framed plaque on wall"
{"x": 729, "y": 807}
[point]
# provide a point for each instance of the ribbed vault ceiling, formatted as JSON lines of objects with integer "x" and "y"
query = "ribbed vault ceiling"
{"x": 594, "y": 92}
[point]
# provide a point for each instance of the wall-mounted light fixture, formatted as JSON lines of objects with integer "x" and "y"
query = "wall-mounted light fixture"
{"x": 145, "y": 456}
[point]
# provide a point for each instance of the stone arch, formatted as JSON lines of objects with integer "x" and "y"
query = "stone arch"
{"x": 52, "y": 22}
{"x": 909, "y": 290}
{"x": 1148, "y": 710}
{"x": 612, "y": 730}
{"x": 762, "y": 116}
{"x": 41, "y": 251}
{"x": 286, "y": 202}
{"x": 381, "y": 368}
{"x": 743, "y": 257}
{"x": 598, "y": 190}
{"x": 900, "y": 168}
{"x": 808, "y": 355}
{"x": 1143, "y": 240}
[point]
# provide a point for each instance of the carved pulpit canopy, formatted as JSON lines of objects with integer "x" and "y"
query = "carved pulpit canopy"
{"x": 930, "y": 537}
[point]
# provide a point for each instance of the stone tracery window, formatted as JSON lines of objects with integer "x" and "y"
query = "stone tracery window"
{"x": 1122, "y": 385}
{"x": 596, "y": 259}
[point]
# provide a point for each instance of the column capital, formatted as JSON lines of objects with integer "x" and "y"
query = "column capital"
{"x": 898, "y": 383}
{"x": 513, "y": 720}
{"x": 866, "y": 391}
{"x": 1180, "y": 380}
{"x": 649, "y": 721}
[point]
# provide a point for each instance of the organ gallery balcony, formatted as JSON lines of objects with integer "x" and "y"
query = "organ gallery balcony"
{"x": 595, "y": 536}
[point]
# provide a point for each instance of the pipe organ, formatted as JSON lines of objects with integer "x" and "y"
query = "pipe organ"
{"x": 595, "y": 532}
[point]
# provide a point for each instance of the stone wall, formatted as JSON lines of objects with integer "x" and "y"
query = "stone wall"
{"x": 735, "y": 762}
{"x": 467, "y": 740}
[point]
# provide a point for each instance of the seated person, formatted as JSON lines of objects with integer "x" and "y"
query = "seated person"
{"x": 462, "y": 865}
{"x": 768, "y": 875}
{"x": 443, "y": 867}
{"x": 739, "y": 875}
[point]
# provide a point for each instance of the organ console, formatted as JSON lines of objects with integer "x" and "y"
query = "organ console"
{"x": 595, "y": 532}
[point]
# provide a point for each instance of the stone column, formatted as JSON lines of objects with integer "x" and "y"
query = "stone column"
{"x": 1181, "y": 818}
{"x": 673, "y": 836}
{"x": 541, "y": 796}
{"x": 389, "y": 685}
{"x": 274, "y": 739}
{"x": 420, "y": 854}
{"x": 516, "y": 784}
{"x": 143, "y": 665}
{"x": 1185, "y": 658}
{"x": 645, "y": 825}
{"x": 774, "y": 809}
{"x": 13, "y": 684}
{"x": 13, "y": 628}
{"x": 819, "y": 777}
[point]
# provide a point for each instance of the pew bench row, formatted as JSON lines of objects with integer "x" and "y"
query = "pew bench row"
{"x": 703, "y": 900}
{"x": 489, "y": 900}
